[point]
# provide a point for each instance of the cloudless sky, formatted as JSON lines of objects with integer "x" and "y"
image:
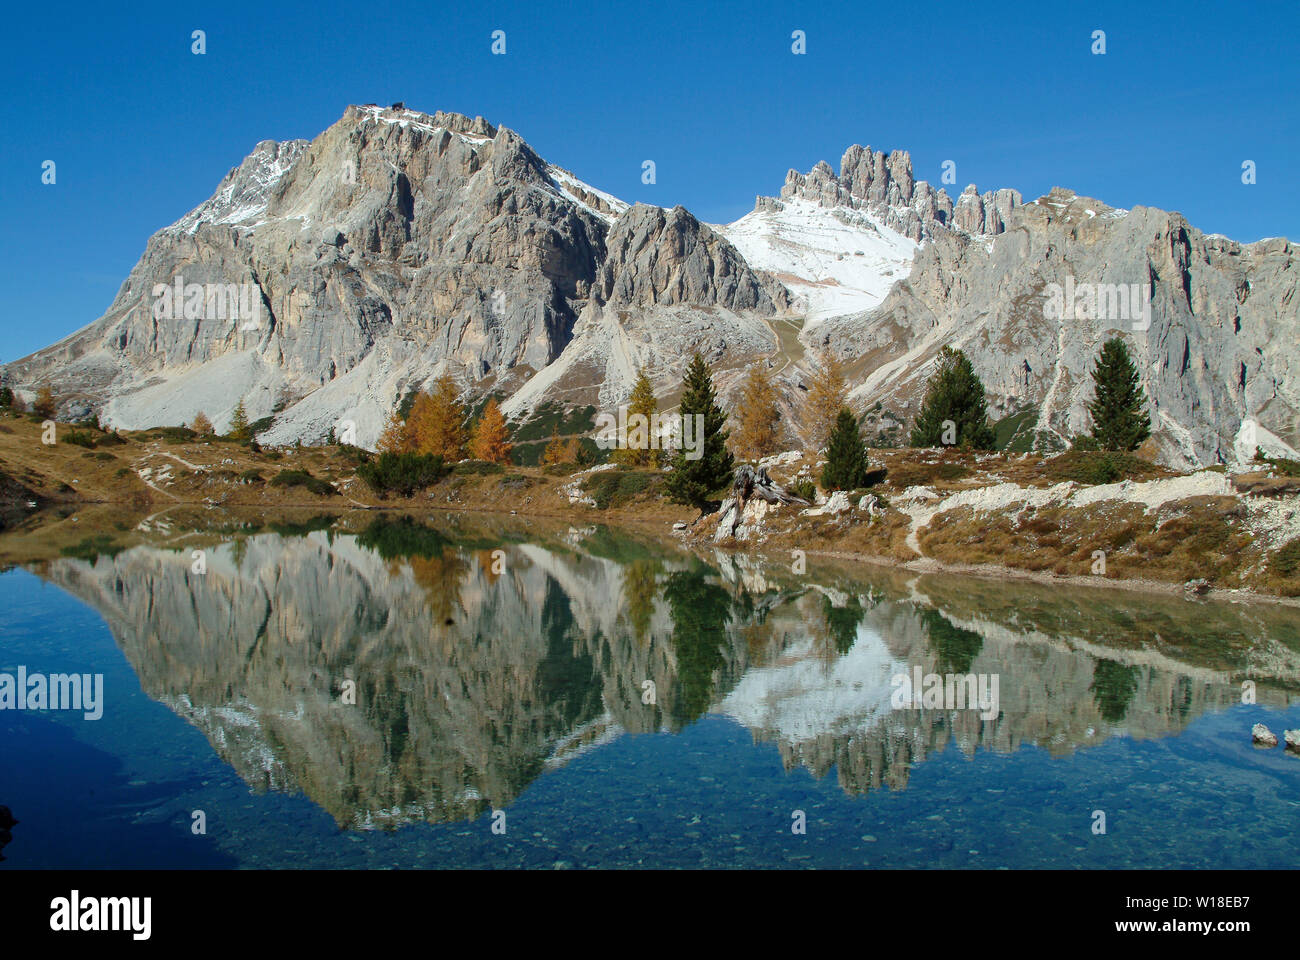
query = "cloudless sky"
{"x": 142, "y": 130}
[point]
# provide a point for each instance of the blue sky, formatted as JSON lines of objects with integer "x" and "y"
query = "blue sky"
{"x": 142, "y": 130}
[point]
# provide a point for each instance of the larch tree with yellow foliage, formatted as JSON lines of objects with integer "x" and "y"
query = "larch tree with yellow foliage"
{"x": 561, "y": 449}
{"x": 756, "y": 419}
{"x": 638, "y": 451}
{"x": 490, "y": 441}
{"x": 437, "y": 421}
{"x": 396, "y": 436}
{"x": 827, "y": 395}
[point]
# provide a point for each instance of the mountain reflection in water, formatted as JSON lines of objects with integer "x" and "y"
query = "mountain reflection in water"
{"x": 476, "y": 671}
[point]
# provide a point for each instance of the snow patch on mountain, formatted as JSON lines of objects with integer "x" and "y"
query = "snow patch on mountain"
{"x": 835, "y": 260}
{"x": 243, "y": 194}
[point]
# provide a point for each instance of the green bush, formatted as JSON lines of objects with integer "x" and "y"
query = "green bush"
{"x": 251, "y": 476}
{"x": 477, "y": 468}
{"x": 804, "y": 489}
{"x": 301, "y": 478}
{"x": 614, "y": 488}
{"x": 1287, "y": 560}
{"x": 354, "y": 455}
{"x": 80, "y": 438}
{"x": 1097, "y": 467}
{"x": 403, "y": 473}
{"x": 176, "y": 434}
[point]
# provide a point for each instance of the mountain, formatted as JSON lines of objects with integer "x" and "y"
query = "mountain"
{"x": 323, "y": 281}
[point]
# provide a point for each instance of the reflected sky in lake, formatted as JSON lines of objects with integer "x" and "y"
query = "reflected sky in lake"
{"x": 366, "y": 692}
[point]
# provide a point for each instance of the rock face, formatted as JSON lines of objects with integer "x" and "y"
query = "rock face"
{"x": 1211, "y": 324}
{"x": 325, "y": 280}
{"x": 883, "y": 184}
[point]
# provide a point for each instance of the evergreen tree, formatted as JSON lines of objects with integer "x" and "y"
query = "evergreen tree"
{"x": 239, "y": 422}
{"x": 756, "y": 420}
{"x": 827, "y": 395}
{"x": 954, "y": 395}
{"x": 846, "y": 455}
{"x": 692, "y": 481}
{"x": 6, "y": 398}
{"x": 490, "y": 435}
{"x": 643, "y": 402}
{"x": 1118, "y": 407}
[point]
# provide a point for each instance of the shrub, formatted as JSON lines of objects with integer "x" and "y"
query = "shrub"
{"x": 1287, "y": 560}
{"x": 402, "y": 473}
{"x": 80, "y": 438}
{"x": 176, "y": 434}
{"x": 1097, "y": 467}
{"x": 251, "y": 476}
{"x": 301, "y": 478}
{"x": 614, "y": 488}
{"x": 354, "y": 455}
{"x": 477, "y": 468}
{"x": 804, "y": 489}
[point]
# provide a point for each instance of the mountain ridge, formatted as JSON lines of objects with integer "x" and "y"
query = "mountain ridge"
{"x": 398, "y": 245}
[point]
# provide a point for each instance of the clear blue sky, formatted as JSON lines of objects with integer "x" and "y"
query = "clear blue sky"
{"x": 142, "y": 130}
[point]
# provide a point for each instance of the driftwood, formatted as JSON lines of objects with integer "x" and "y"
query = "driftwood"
{"x": 750, "y": 482}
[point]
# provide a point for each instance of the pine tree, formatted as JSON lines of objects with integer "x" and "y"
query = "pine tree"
{"x": 953, "y": 396}
{"x": 846, "y": 455}
{"x": 827, "y": 394}
{"x": 756, "y": 435}
{"x": 239, "y": 422}
{"x": 6, "y": 398}
{"x": 1118, "y": 407}
{"x": 641, "y": 402}
{"x": 692, "y": 481}
{"x": 437, "y": 421}
{"x": 201, "y": 425}
{"x": 396, "y": 436}
{"x": 490, "y": 441}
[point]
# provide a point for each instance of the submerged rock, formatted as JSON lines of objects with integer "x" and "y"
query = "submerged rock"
{"x": 1292, "y": 738}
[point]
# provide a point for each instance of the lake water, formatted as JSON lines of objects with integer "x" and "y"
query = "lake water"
{"x": 474, "y": 692}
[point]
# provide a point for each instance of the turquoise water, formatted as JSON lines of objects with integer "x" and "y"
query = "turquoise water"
{"x": 517, "y": 682}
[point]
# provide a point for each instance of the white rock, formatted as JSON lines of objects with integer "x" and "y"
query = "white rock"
{"x": 1263, "y": 735}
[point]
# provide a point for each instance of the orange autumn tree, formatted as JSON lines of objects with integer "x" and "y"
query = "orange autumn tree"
{"x": 437, "y": 421}
{"x": 490, "y": 441}
{"x": 396, "y": 436}
{"x": 561, "y": 450}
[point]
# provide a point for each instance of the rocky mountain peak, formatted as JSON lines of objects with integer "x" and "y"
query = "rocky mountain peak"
{"x": 883, "y": 184}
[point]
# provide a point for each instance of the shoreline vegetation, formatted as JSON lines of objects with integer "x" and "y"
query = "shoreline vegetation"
{"x": 1028, "y": 517}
